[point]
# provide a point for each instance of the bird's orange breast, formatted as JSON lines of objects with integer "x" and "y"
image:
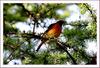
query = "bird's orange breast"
{"x": 55, "y": 31}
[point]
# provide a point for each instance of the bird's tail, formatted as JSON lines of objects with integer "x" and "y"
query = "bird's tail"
{"x": 40, "y": 46}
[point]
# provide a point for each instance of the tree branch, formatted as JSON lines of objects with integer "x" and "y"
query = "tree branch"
{"x": 94, "y": 18}
{"x": 62, "y": 46}
{"x": 26, "y": 35}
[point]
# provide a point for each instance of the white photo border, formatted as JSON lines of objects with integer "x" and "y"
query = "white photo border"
{"x": 78, "y": 66}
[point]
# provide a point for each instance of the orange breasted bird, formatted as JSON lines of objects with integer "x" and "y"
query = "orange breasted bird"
{"x": 53, "y": 31}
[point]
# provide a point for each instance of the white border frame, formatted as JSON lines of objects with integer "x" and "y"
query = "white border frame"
{"x": 83, "y": 66}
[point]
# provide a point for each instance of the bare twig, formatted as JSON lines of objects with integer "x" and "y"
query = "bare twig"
{"x": 94, "y": 18}
{"x": 26, "y": 35}
{"x": 9, "y": 57}
{"x": 13, "y": 51}
{"x": 62, "y": 46}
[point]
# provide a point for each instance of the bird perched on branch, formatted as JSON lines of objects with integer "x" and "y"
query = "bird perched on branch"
{"x": 53, "y": 31}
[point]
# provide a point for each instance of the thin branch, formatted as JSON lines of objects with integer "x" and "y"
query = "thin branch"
{"x": 62, "y": 46}
{"x": 87, "y": 6}
{"x": 25, "y": 10}
{"x": 31, "y": 15}
{"x": 9, "y": 56}
{"x": 13, "y": 51}
{"x": 26, "y": 35}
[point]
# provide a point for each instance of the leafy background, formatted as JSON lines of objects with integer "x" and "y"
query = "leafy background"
{"x": 20, "y": 42}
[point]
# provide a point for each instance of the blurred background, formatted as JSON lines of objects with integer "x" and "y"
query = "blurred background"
{"x": 23, "y": 21}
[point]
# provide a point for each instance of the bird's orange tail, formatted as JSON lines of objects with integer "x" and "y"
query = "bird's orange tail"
{"x": 40, "y": 46}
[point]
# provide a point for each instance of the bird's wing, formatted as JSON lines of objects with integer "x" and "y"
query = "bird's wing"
{"x": 50, "y": 27}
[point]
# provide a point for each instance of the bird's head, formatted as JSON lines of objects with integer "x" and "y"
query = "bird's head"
{"x": 61, "y": 22}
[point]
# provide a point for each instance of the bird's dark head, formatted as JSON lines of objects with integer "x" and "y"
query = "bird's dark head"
{"x": 61, "y": 22}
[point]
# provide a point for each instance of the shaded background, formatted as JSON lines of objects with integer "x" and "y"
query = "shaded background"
{"x": 23, "y": 22}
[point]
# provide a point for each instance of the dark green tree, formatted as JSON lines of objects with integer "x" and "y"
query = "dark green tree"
{"x": 21, "y": 45}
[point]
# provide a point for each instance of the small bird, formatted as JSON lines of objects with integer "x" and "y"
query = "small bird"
{"x": 53, "y": 31}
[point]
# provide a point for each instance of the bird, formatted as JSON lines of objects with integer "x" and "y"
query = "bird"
{"x": 53, "y": 31}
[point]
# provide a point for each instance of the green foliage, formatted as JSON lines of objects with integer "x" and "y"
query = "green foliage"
{"x": 24, "y": 49}
{"x": 13, "y": 13}
{"x": 83, "y": 8}
{"x": 8, "y": 28}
